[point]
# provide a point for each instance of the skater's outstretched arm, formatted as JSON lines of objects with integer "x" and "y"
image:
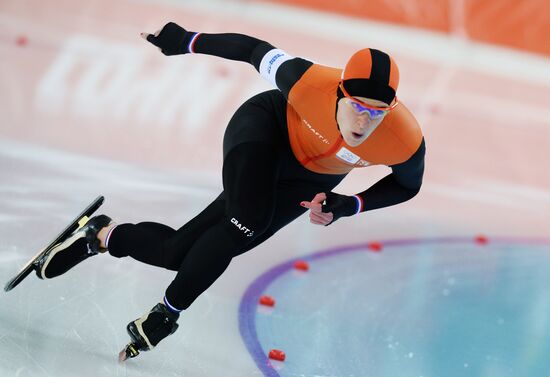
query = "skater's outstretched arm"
{"x": 172, "y": 39}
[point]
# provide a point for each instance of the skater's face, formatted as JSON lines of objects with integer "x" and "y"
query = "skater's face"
{"x": 356, "y": 121}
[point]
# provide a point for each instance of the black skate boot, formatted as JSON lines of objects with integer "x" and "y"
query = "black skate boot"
{"x": 146, "y": 332}
{"x": 80, "y": 245}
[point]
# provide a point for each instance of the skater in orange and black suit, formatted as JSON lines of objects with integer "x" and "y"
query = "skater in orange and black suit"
{"x": 284, "y": 151}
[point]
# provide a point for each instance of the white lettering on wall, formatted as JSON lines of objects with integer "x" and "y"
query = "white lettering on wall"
{"x": 97, "y": 78}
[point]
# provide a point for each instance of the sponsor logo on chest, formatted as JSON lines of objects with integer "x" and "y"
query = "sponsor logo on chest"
{"x": 314, "y": 131}
{"x": 348, "y": 156}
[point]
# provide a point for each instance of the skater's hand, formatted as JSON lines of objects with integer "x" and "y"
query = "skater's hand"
{"x": 316, "y": 214}
{"x": 327, "y": 208}
{"x": 172, "y": 39}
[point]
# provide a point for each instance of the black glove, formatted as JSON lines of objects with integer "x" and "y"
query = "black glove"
{"x": 146, "y": 332}
{"x": 172, "y": 39}
{"x": 339, "y": 205}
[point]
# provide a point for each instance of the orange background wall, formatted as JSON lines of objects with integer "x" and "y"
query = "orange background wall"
{"x": 521, "y": 24}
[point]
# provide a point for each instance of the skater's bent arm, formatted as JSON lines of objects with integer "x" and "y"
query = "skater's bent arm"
{"x": 401, "y": 185}
{"x": 275, "y": 65}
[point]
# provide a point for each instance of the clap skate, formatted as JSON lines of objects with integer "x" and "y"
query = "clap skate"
{"x": 80, "y": 245}
{"x": 57, "y": 257}
{"x": 146, "y": 332}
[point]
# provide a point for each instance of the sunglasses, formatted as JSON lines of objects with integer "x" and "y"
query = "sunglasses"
{"x": 360, "y": 107}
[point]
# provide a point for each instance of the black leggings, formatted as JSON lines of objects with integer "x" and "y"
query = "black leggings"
{"x": 263, "y": 187}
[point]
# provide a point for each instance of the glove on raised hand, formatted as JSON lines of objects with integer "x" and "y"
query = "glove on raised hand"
{"x": 339, "y": 205}
{"x": 172, "y": 39}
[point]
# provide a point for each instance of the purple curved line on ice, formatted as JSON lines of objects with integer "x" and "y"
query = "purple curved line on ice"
{"x": 249, "y": 301}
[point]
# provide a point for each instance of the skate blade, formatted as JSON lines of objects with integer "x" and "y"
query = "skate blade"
{"x": 130, "y": 351}
{"x": 83, "y": 221}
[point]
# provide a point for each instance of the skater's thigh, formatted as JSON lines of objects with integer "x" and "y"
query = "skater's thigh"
{"x": 251, "y": 148}
{"x": 250, "y": 175}
{"x": 287, "y": 209}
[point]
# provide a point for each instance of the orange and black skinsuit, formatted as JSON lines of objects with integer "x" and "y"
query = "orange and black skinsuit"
{"x": 281, "y": 147}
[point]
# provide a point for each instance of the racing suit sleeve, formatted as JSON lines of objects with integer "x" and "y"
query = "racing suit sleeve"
{"x": 275, "y": 65}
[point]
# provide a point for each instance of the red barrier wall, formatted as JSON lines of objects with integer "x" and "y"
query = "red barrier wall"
{"x": 521, "y": 24}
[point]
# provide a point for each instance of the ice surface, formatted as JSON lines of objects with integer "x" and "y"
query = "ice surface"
{"x": 426, "y": 309}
